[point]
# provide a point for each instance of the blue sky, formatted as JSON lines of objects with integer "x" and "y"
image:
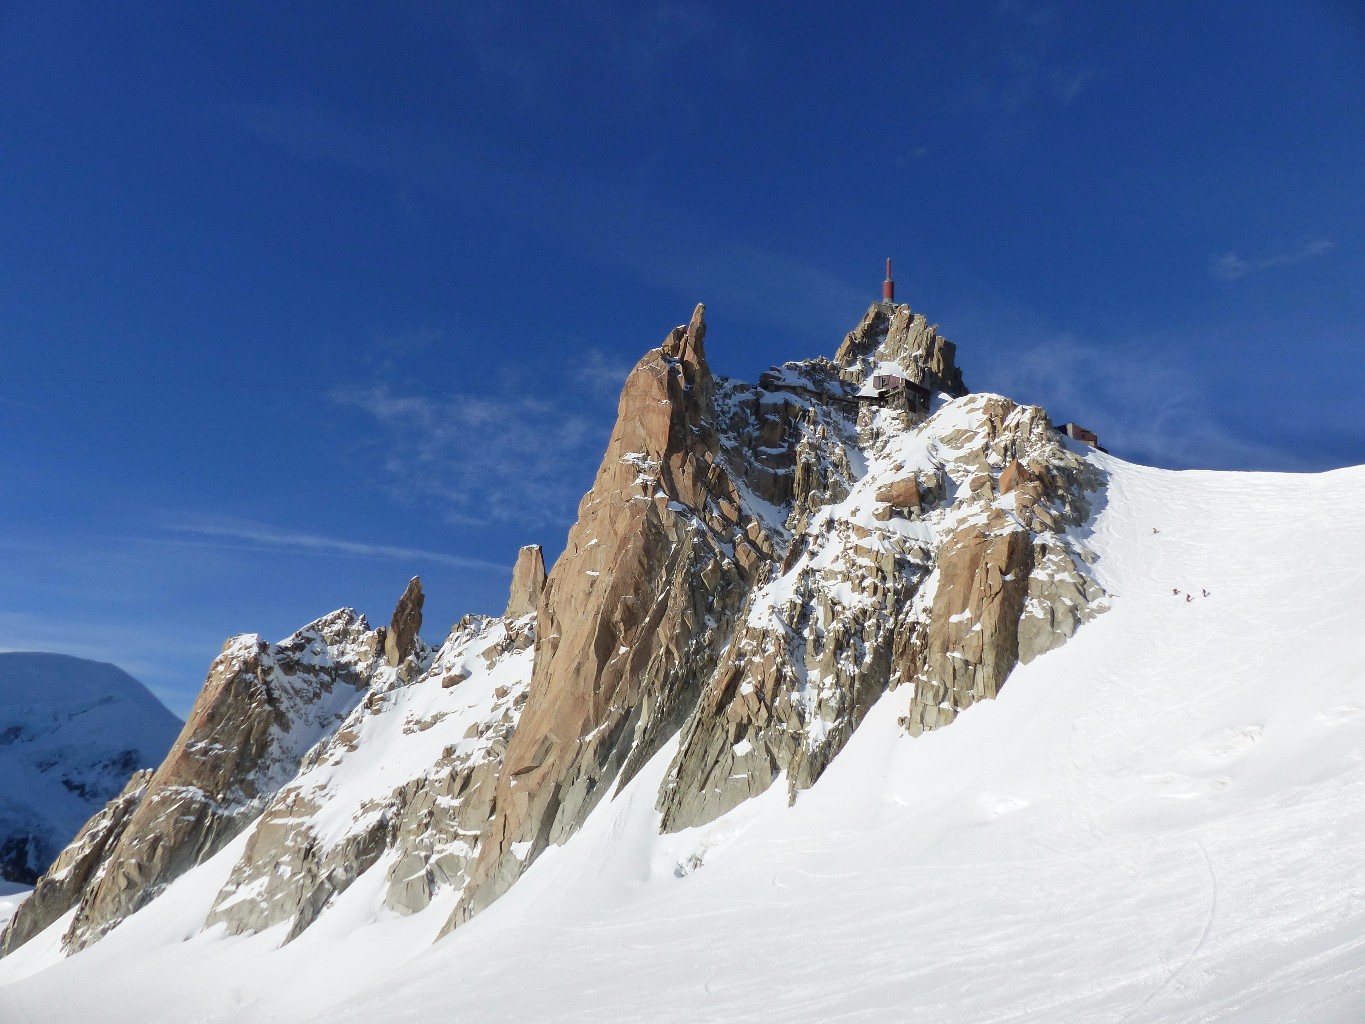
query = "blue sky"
{"x": 299, "y": 300}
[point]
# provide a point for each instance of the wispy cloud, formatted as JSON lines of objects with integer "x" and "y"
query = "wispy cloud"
{"x": 1021, "y": 62}
{"x": 508, "y": 457}
{"x": 259, "y": 535}
{"x": 602, "y": 376}
{"x": 1067, "y": 86}
{"x": 645, "y": 37}
{"x": 411, "y": 342}
{"x": 1230, "y": 267}
{"x": 1144, "y": 407}
{"x": 527, "y": 51}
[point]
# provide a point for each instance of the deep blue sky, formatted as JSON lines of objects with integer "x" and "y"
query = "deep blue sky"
{"x": 298, "y": 300}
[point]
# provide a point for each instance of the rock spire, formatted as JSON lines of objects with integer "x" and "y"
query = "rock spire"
{"x": 753, "y": 568}
{"x": 401, "y": 638}
{"x": 528, "y": 581}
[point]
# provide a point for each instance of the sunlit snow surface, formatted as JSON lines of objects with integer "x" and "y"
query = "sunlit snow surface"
{"x": 11, "y": 895}
{"x": 1163, "y": 820}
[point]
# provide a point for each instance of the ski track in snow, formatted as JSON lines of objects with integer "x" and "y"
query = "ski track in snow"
{"x": 1163, "y": 820}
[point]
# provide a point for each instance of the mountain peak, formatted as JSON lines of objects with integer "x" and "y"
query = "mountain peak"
{"x": 893, "y": 340}
{"x": 753, "y": 568}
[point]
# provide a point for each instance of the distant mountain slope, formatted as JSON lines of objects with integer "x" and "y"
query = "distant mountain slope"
{"x": 71, "y": 733}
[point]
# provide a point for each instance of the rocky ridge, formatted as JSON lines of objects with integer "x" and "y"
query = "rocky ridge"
{"x": 404, "y": 786}
{"x": 60, "y": 887}
{"x": 754, "y": 567}
{"x": 262, "y": 707}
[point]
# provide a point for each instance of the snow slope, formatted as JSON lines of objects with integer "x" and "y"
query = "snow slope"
{"x": 72, "y": 731}
{"x": 11, "y": 895}
{"x": 1163, "y": 820}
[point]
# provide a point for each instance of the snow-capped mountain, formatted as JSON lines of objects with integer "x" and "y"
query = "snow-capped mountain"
{"x": 72, "y": 731}
{"x": 740, "y": 757}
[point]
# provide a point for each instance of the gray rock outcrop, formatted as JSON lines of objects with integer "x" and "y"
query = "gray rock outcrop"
{"x": 1010, "y": 581}
{"x": 904, "y": 338}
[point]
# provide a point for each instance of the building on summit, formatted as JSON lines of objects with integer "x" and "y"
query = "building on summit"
{"x": 1078, "y": 433}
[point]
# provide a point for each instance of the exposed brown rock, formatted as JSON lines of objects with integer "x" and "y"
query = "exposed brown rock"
{"x": 972, "y": 639}
{"x": 798, "y": 678}
{"x": 902, "y": 493}
{"x": 1002, "y": 596}
{"x": 901, "y": 336}
{"x": 401, "y": 637}
{"x": 761, "y": 715}
{"x": 528, "y": 582}
{"x": 713, "y": 584}
{"x": 866, "y": 337}
{"x": 260, "y": 710}
{"x": 1013, "y": 475}
{"x": 623, "y": 644}
{"x": 59, "y": 889}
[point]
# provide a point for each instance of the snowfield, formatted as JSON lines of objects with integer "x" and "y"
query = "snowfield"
{"x": 11, "y": 895}
{"x": 1163, "y": 820}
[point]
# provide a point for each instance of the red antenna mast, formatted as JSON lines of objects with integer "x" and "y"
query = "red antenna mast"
{"x": 888, "y": 286}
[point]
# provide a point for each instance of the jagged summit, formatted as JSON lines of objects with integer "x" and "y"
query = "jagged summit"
{"x": 894, "y": 340}
{"x": 754, "y": 566}
{"x": 703, "y": 731}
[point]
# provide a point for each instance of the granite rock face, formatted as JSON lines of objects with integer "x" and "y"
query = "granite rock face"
{"x": 631, "y": 616}
{"x": 60, "y": 888}
{"x": 528, "y": 582}
{"x": 1011, "y": 580}
{"x": 896, "y": 337}
{"x": 401, "y": 638}
{"x": 920, "y": 572}
{"x": 407, "y": 779}
{"x": 754, "y": 567}
{"x": 262, "y": 707}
